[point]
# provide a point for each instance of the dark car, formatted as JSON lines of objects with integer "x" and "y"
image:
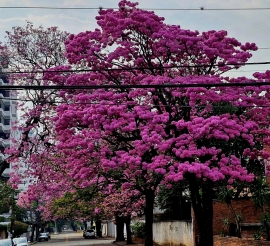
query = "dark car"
{"x": 43, "y": 236}
{"x": 90, "y": 233}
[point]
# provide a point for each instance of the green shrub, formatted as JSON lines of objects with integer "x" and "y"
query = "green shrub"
{"x": 225, "y": 229}
{"x": 19, "y": 228}
{"x": 138, "y": 229}
{"x": 257, "y": 235}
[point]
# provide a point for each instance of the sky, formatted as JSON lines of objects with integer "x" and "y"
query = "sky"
{"x": 245, "y": 25}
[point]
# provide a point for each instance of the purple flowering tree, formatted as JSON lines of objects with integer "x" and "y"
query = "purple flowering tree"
{"x": 205, "y": 135}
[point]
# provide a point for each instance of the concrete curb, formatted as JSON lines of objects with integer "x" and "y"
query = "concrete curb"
{"x": 121, "y": 243}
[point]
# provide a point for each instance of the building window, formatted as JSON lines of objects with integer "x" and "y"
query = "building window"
{"x": 6, "y": 108}
{"x": 5, "y": 93}
{"x": 6, "y": 121}
{"x": 4, "y": 135}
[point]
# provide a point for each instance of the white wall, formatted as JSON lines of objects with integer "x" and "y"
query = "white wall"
{"x": 111, "y": 229}
{"x": 173, "y": 233}
{"x": 164, "y": 233}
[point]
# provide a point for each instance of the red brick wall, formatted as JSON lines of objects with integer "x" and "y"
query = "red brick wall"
{"x": 244, "y": 207}
{"x": 221, "y": 211}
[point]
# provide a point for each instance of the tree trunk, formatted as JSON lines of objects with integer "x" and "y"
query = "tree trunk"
{"x": 37, "y": 231}
{"x": 202, "y": 202}
{"x": 98, "y": 228}
{"x": 12, "y": 224}
{"x": 149, "y": 207}
{"x": 267, "y": 233}
{"x": 129, "y": 238}
{"x": 119, "y": 229}
{"x": 32, "y": 233}
{"x": 49, "y": 228}
{"x": 85, "y": 225}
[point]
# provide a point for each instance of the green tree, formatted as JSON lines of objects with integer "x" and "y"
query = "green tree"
{"x": 226, "y": 195}
{"x": 261, "y": 197}
{"x": 174, "y": 202}
{"x": 7, "y": 199}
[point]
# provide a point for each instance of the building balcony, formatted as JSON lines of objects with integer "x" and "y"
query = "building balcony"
{"x": 5, "y": 114}
{"x": 2, "y": 157}
{"x": 4, "y": 142}
{"x": 5, "y": 101}
{"x": 4, "y": 128}
{"x": 6, "y": 173}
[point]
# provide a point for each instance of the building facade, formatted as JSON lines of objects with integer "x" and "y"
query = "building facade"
{"x": 8, "y": 116}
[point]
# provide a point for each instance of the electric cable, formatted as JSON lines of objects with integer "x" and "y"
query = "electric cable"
{"x": 128, "y": 86}
{"x": 138, "y": 68}
{"x": 154, "y": 9}
{"x": 139, "y": 105}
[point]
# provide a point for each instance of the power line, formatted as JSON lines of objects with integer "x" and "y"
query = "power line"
{"x": 154, "y": 86}
{"x": 47, "y": 7}
{"x": 138, "y": 68}
{"x": 155, "y": 9}
{"x": 140, "y": 105}
{"x": 206, "y": 9}
{"x": 245, "y": 71}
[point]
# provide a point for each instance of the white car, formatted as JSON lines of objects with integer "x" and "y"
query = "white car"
{"x": 21, "y": 241}
{"x": 90, "y": 233}
{"x": 5, "y": 242}
{"x": 43, "y": 236}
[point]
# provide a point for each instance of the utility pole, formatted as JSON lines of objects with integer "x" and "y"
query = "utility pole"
{"x": 12, "y": 218}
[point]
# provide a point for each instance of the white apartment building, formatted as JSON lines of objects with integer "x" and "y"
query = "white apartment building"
{"x": 8, "y": 115}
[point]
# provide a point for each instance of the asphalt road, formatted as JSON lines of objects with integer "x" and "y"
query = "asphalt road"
{"x": 70, "y": 238}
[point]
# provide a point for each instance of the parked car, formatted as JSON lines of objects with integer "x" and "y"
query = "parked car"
{"x": 21, "y": 241}
{"x": 43, "y": 237}
{"x": 6, "y": 242}
{"x": 90, "y": 233}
